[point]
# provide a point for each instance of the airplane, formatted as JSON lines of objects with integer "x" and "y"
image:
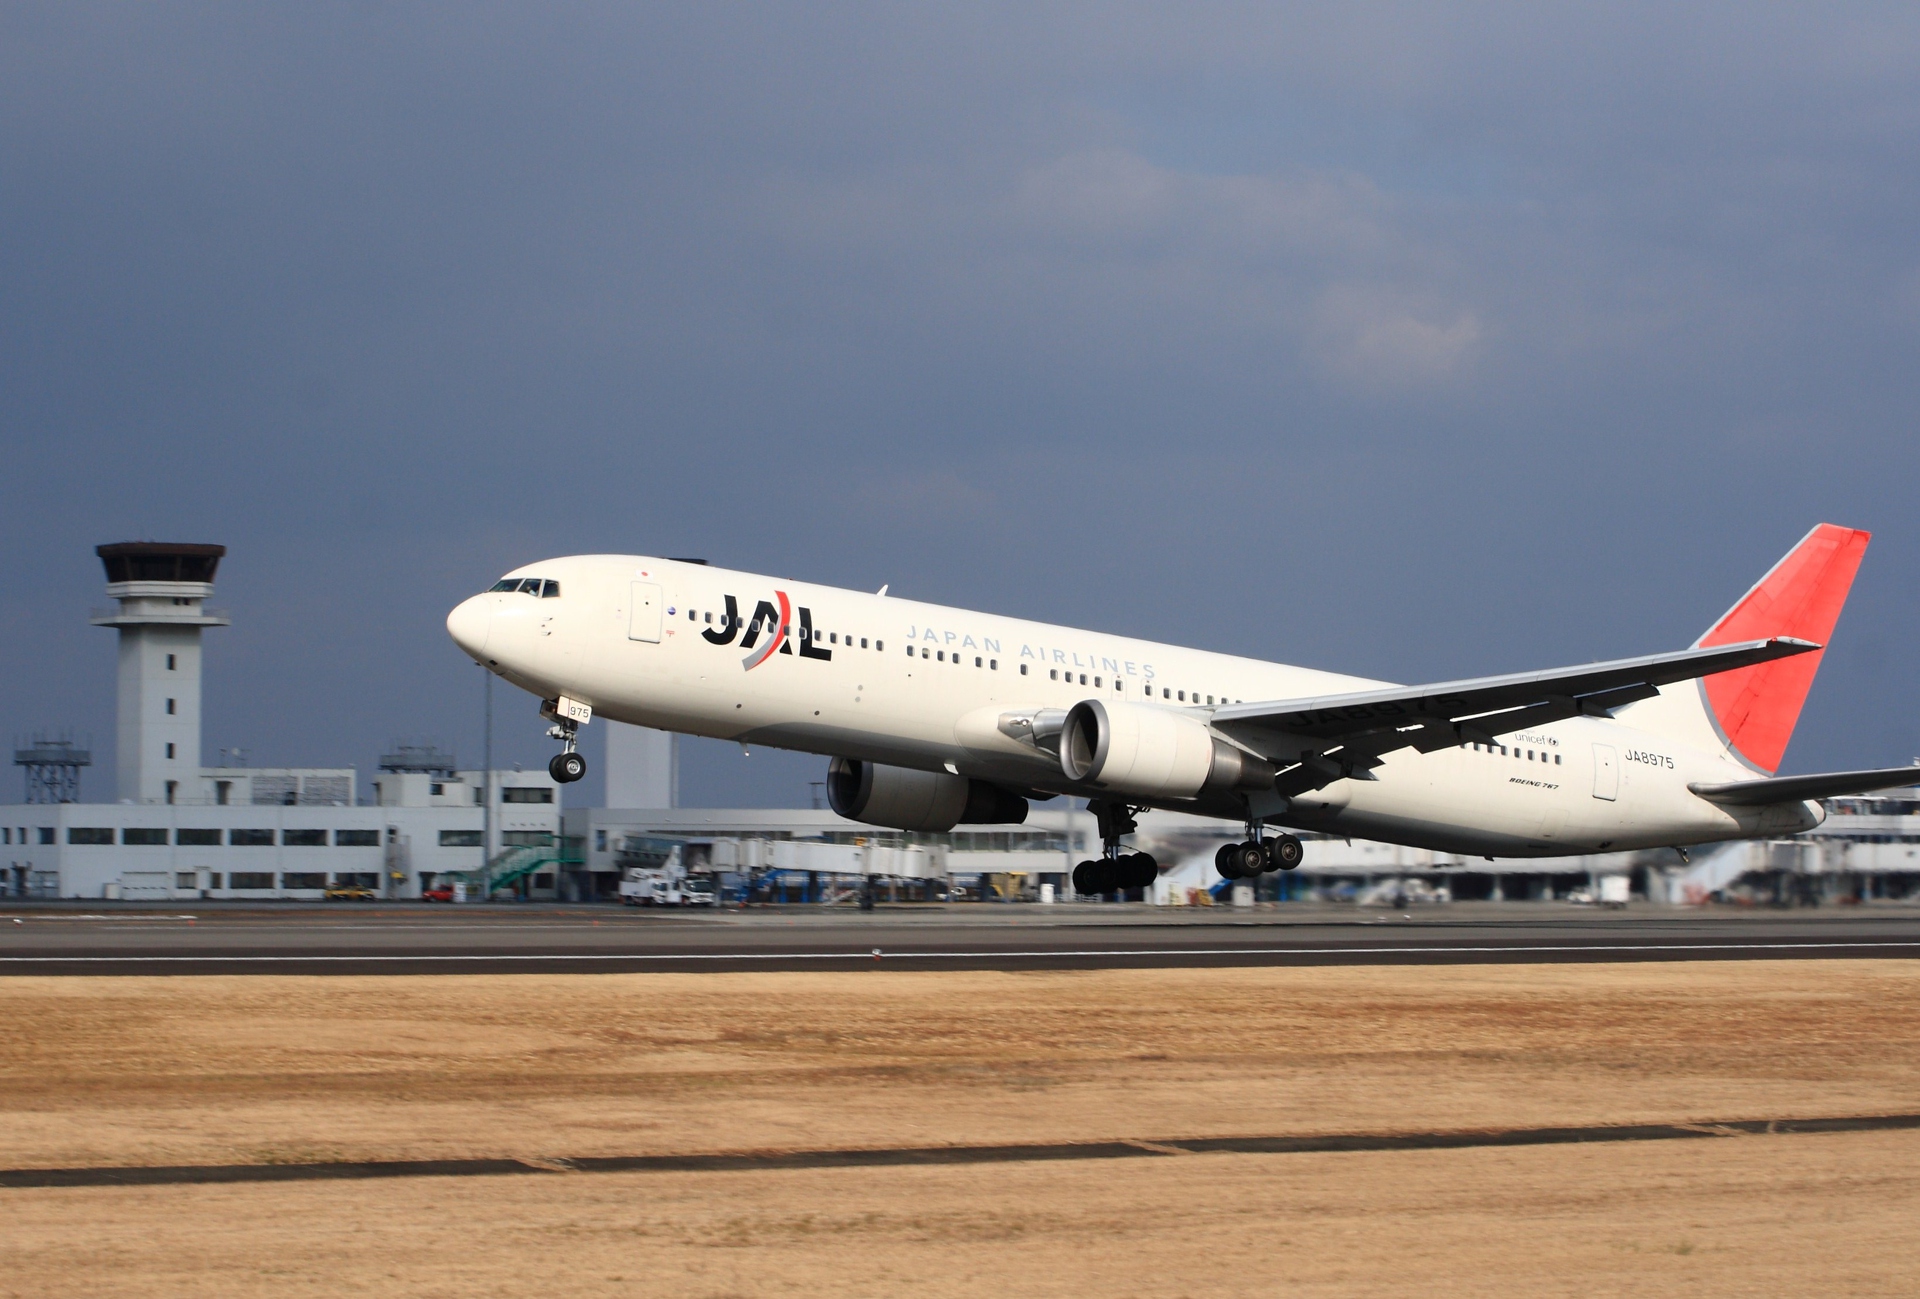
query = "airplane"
{"x": 932, "y": 717}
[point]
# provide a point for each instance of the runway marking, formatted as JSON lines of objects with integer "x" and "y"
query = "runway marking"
{"x": 874, "y": 954}
{"x": 1340, "y": 1143}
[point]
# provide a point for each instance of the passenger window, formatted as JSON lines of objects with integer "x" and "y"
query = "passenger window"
{"x": 1556, "y": 760}
{"x": 1083, "y": 678}
{"x": 1053, "y": 674}
{"x": 863, "y": 642}
{"x": 1023, "y": 669}
{"x": 1096, "y": 683}
{"x": 1165, "y": 693}
{"x": 993, "y": 665}
{"x": 976, "y": 660}
{"x": 923, "y": 652}
{"x": 833, "y": 638}
{"x": 1209, "y": 698}
{"x": 1183, "y": 696}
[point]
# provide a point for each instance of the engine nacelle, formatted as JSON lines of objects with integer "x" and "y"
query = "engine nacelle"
{"x": 902, "y": 798}
{"x": 1152, "y": 752}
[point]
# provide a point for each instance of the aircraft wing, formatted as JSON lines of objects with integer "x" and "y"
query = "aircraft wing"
{"x": 1336, "y": 737}
{"x": 1794, "y": 789}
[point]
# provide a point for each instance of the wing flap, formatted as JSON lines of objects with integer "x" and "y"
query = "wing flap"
{"x": 1795, "y": 789}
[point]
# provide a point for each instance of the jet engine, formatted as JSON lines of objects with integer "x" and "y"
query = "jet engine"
{"x": 1153, "y": 752}
{"x": 902, "y": 798}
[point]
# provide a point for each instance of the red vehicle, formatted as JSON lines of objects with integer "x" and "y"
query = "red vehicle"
{"x": 441, "y": 893}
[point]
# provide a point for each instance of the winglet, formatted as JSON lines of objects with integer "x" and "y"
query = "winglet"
{"x": 1755, "y": 708}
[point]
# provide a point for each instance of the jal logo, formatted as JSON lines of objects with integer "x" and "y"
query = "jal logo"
{"x": 776, "y": 622}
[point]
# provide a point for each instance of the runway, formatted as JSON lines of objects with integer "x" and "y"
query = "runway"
{"x": 412, "y": 939}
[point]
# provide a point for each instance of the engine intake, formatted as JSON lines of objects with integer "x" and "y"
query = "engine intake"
{"x": 902, "y": 798}
{"x": 1152, "y": 752}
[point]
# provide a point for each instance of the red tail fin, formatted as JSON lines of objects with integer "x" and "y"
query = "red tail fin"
{"x": 1755, "y": 708}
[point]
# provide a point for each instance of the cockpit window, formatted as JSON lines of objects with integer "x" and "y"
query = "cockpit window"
{"x": 544, "y": 587}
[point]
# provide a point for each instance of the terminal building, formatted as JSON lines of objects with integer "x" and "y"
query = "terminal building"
{"x": 181, "y": 830}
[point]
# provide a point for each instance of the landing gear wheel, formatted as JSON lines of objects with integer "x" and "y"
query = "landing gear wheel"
{"x": 567, "y": 767}
{"x": 1249, "y": 860}
{"x": 1284, "y": 853}
{"x": 1137, "y": 870}
{"x": 1223, "y": 862}
{"x": 1090, "y": 879}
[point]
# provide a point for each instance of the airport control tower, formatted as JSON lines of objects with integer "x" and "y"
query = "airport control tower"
{"x": 162, "y": 588}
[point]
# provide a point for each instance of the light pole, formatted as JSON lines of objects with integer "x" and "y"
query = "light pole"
{"x": 486, "y": 787}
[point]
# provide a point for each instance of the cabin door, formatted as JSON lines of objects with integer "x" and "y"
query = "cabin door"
{"x": 643, "y": 623}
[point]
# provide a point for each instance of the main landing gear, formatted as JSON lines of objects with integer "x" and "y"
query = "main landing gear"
{"x": 568, "y": 765}
{"x": 1114, "y": 870}
{"x": 1244, "y": 861}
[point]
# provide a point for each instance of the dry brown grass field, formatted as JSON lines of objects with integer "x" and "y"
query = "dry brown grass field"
{"x": 295, "y": 1069}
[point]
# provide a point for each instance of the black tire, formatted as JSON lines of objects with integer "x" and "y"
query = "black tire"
{"x": 1090, "y": 879}
{"x": 567, "y": 767}
{"x": 1284, "y": 853}
{"x": 1249, "y": 859}
{"x": 1223, "y": 862}
{"x": 1138, "y": 870}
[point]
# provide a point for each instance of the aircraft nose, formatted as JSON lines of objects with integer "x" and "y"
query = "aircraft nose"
{"x": 469, "y": 624}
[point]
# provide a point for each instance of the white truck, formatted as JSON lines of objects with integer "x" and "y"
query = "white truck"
{"x": 641, "y": 887}
{"x": 654, "y": 874}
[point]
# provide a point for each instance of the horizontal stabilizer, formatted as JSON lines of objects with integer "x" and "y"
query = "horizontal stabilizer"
{"x": 1794, "y": 789}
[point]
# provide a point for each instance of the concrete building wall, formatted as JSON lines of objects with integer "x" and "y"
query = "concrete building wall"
{"x": 641, "y": 767}
{"x": 101, "y": 850}
{"x": 157, "y": 754}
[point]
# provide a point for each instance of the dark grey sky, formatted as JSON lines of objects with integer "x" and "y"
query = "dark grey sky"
{"x": 1413, "y": 340}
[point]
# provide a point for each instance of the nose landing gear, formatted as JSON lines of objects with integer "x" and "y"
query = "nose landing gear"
{"x": 568, "y": 765}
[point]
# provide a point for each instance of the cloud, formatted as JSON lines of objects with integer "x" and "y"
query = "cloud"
{"x": 1374, "y": 336}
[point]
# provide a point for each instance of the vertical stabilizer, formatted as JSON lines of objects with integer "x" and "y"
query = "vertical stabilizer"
{"x": 1753, "y": 710}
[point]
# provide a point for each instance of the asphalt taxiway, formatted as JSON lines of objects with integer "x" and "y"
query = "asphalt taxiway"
{"x": 360, "y": 938}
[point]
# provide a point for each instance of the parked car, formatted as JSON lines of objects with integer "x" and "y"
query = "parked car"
{"x": 439, "y": 893}
{"x": 349, "y": 893}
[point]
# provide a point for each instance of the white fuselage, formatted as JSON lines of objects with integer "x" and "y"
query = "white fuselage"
{"x": 893, "y": 681}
